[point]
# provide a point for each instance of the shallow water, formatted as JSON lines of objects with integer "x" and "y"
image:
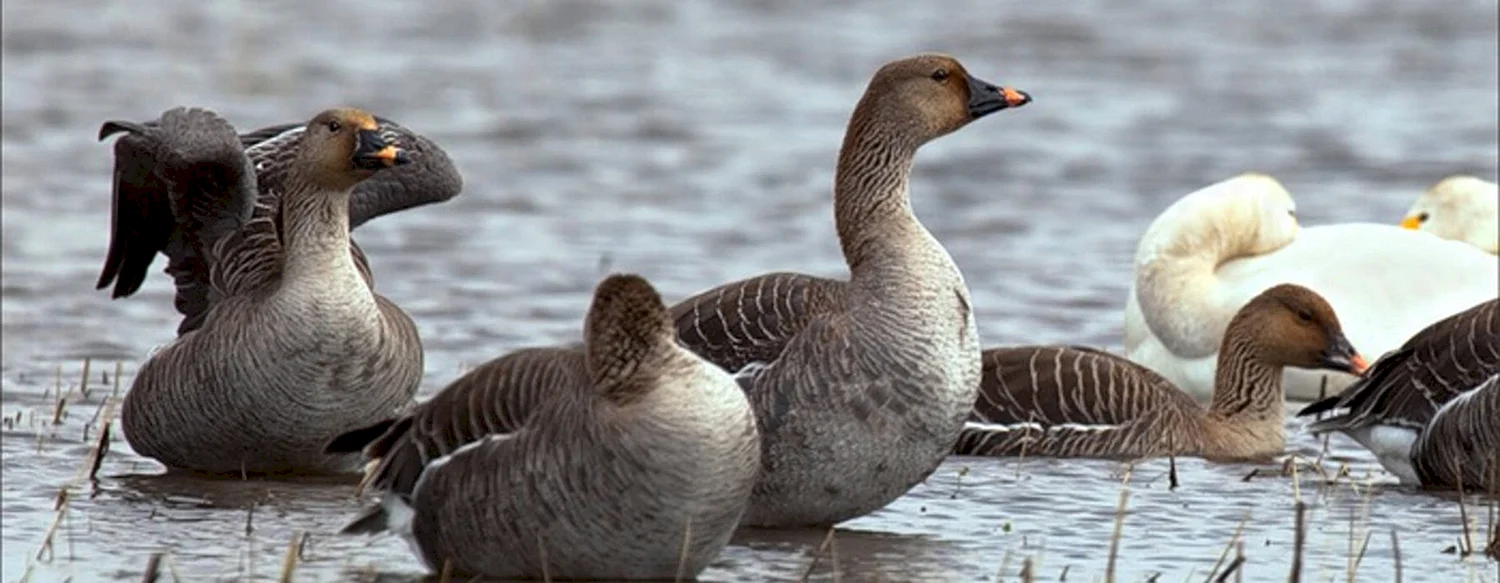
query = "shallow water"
{"x": 694, "y": 143}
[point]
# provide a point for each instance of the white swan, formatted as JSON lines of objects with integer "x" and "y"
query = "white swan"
{"x": 1461, "y": 208}
{"x": 1218, "y": 247}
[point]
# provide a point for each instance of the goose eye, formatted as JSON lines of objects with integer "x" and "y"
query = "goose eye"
{"x": 334, "y": 126}
{"x": 1304, "y": 315}
{"x": 1291, "y": 213}
{"x": 940, "y": 75}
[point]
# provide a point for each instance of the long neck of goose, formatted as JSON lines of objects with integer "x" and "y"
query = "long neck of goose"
{"x": 870, "y": 196}
{"x": 1246, "y": 387}
{"x": 1178, "y": 287}
{"x": 315, "y": 235}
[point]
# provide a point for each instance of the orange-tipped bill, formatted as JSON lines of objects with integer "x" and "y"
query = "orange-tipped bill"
{"x": 1413, "y": 222}
{"x": 1014, "y": 98}
{"x": 1358, "y": 365}
{"x": 374, "y": 153}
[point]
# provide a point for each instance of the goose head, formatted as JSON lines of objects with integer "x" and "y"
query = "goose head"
{"x": 626, "y": 329}
{"x": 341, "y": 147}
{"x": 931, "y": 95}
{"x": 1460, "y": 208}
{"x": 1294, "y": 326}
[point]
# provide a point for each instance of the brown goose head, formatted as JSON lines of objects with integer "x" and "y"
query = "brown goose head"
{"x": 627, "y": 328}
{"x": 1294, "y": 326}
{"x": 340, "y": 147}
{"x": 931, "y": 95}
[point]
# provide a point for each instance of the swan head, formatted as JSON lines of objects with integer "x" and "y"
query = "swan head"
{"x": 1460, "y": 208}
{"x": 1248, "y": 214}
{"x": 1291, "y": 325}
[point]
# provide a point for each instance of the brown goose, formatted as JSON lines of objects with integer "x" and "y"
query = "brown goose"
{"x": 292, "y": 345}
{"x": 1064, "y": 401}
{"x": 1430, "y": 404}
{"x": 860, "y": 386}
{"x": 144, "y": 224}
{"x": 597, "y": 462}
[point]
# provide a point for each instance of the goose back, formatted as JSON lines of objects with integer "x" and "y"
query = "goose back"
{"x": 625, "y": 457}
{"x": 1391, "y": 408}
{"x": 1460, "y": 448}
{"x": 1072, "y": 401}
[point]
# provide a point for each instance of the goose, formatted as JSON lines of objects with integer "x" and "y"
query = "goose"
{"x": 143, "y": 223}
{"x": 292, "y": 345}
{"x": 1217, "y": 247}
{"x": 1460, "y": 208}
{"x": 860, "y": 386}
{"x": 1430, "y": 404}
{"x": 1071, "y": 401}
{"x": 626, "y": 457}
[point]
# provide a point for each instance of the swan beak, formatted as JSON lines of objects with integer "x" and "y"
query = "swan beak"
{"x": 1340, "y": 355}
{"x": 373, "y": 153}
{"x": 1413, "y": 222}
{"x": 985, "y": 98}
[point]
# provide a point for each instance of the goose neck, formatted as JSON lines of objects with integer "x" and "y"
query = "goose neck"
{"x": 871, "y": 200}
{"x": 1246, "y": 387}
{"x": 315, "y": 234}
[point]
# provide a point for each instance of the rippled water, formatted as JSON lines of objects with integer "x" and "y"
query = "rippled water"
{"x": 694, "y": 142}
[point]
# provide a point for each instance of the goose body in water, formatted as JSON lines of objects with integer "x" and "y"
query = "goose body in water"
{"x": 1065, "y": 401}
{"x": 1459, "y": 208}
{"x": 861, "y": 386}
{"x": 1430, "y": 411}
{"x": 626, "y": 458}
{"x": 290, "y": 344}
{"x": 1217, "y": 247}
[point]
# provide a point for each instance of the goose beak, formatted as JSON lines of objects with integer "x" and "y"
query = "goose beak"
{"x": 1341, "y": 355}
{"x": 1413, "y": 222}
{"x": 986, "y": 98}
{"x": 373, "y": 153}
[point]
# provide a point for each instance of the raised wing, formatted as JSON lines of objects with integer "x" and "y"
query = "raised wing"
{"x": 182, "y": 185}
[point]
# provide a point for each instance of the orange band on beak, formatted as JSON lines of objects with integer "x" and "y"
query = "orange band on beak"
{"x": 1360, "y": 365}
{"x": 1411, "y": 222}
{"x": 1013, "y": 97}
{"x": 388, "y": 153}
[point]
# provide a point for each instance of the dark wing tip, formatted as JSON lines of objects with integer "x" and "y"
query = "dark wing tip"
{"x": 355, "y": 440}
{"x": 372, "y": 520}
{"x": 115, "y": 126}
{"x": 1320, "y": 406}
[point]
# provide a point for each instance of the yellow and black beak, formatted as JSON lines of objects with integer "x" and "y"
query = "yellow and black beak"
{"x": 373, "y": 153}
{"x": 1414, "y": 222}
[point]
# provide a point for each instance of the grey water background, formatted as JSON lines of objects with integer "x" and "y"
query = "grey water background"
{"x": 694, "y": 142}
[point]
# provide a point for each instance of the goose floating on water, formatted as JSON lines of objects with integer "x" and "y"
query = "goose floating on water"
{"x": 594, "y": 462}
{"x": 1215, "y": 248}
{"x": 1066, "y": 401}
{"x": 860, "y": 386}
{"x": 284, "y": 343}
{"x": 1430, "y": 411}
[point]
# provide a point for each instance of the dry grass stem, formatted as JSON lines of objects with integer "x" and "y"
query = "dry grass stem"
{"x": 1114, "y": 542}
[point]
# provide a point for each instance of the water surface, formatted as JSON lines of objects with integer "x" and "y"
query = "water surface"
{"x": 694, "y": 142}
